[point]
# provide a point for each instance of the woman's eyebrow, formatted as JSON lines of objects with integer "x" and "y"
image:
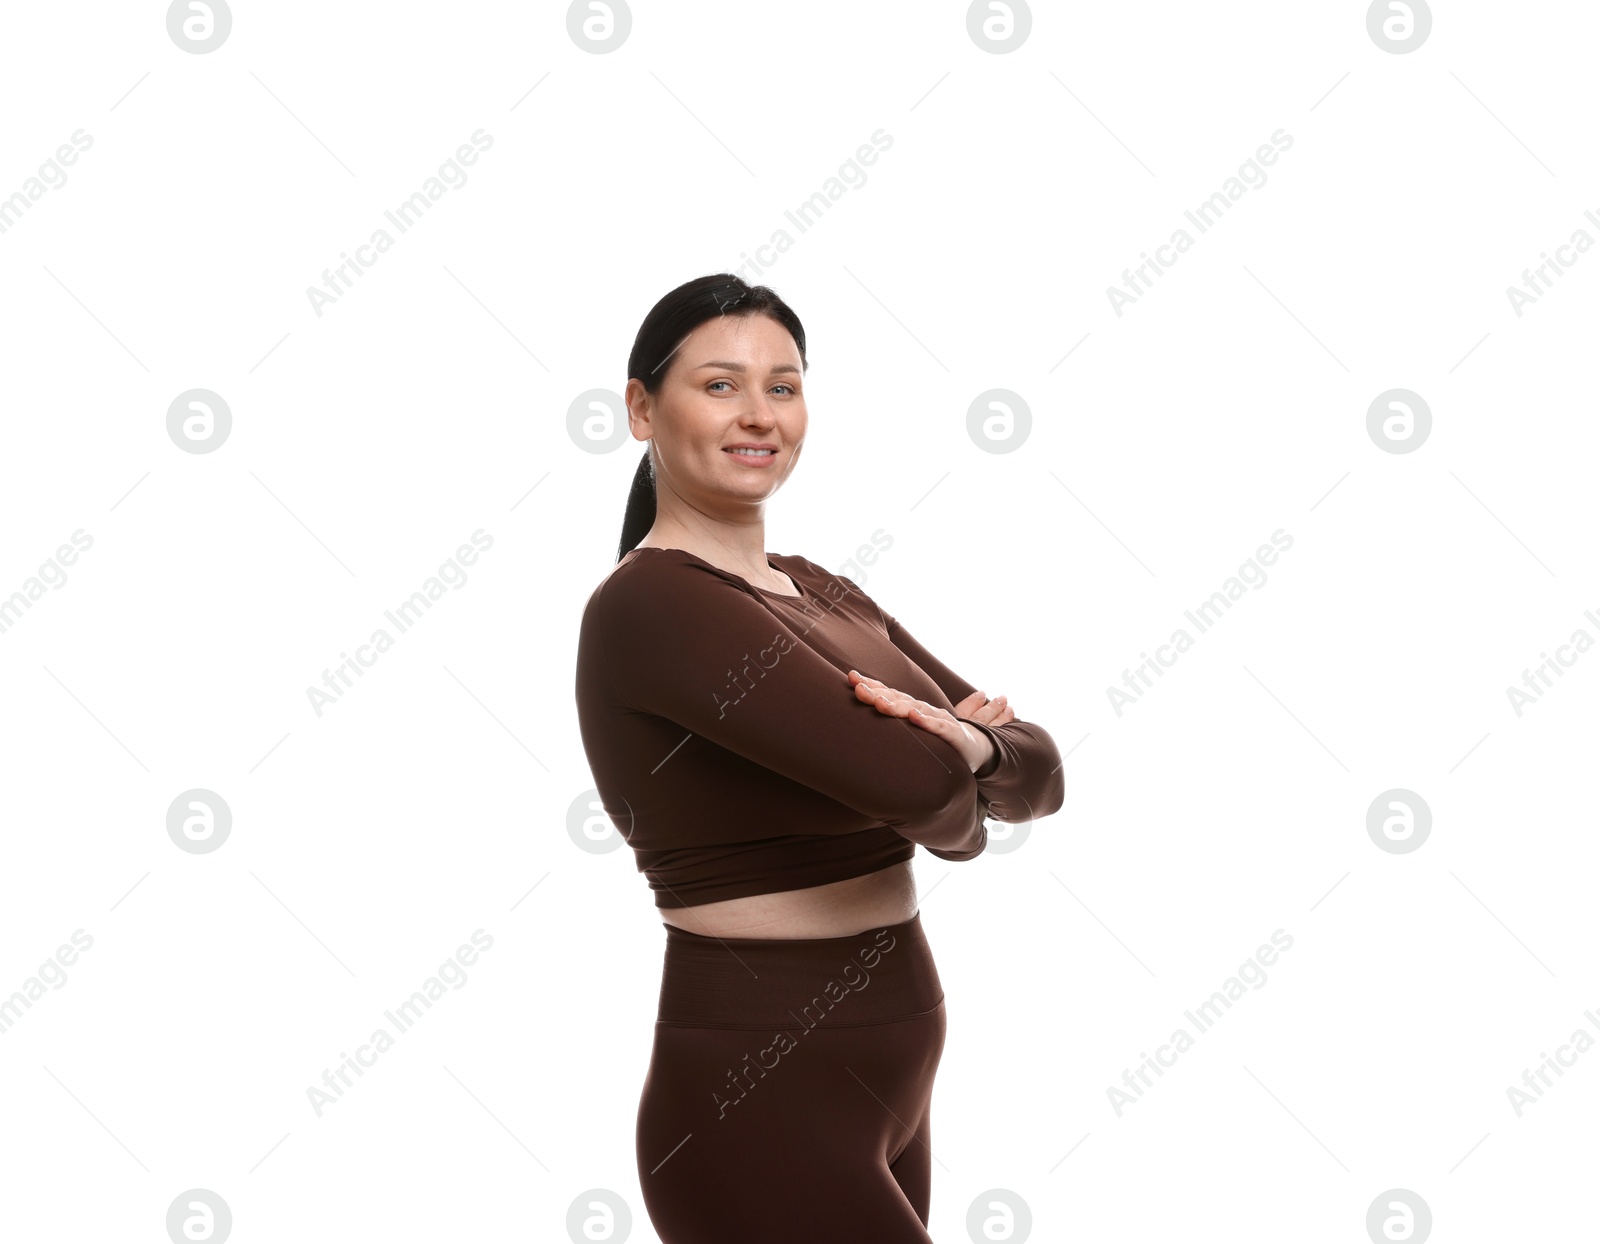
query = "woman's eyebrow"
{"x": 780, "y": 367}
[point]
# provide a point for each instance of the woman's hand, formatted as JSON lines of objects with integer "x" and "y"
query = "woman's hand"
{"x": 974, "y": 745}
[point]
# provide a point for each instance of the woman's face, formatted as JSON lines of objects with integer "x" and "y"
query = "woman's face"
{"x": 734, "y": 381}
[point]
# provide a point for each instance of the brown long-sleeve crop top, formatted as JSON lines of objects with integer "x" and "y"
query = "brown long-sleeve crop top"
{"x": 729, "y": 748}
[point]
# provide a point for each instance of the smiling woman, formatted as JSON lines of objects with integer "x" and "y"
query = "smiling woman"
{"x": 773, "y": 746}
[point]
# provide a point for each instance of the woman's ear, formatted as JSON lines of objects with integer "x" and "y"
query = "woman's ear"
{"x": 636, "y": 399}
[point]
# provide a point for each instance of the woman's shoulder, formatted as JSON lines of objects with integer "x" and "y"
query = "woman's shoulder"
{"x": 648, "y": 573}
{"x": 814, "y": 573}
{"x": 649, "y": 577}
{"x": 649, "y": 564}
{"x": 834, "y": 582}
{"x": 831, "y": 588}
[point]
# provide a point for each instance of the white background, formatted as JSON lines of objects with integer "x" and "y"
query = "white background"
{"x": 1167, "y": 444}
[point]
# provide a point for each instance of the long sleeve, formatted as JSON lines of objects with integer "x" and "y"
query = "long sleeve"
{"x": 685, "y": 643}
{"x": 1023, "y": 781}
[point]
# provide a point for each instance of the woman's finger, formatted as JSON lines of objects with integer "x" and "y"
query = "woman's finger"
{"x": 866, "y": 688}
{"x": 970, "y": 706}
{"x": 895, "y": 703}
{"x": 935, "y": 724}
{"x": 993, "y": 713}
{"x": 948, "y": 728}
{"x": 932, "y": 718}
{"x": 985, "y": 712}
{"x": 932, "y": 712}
{"x": 884, "y": 699}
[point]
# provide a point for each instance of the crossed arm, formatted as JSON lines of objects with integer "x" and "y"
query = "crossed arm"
{"x": 975, "y": 747}
{"x": 791, "y": 710}
{"x": 1023, "y": 779}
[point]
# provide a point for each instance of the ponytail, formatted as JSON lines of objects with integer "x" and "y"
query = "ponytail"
{"x": 640, "y": 515}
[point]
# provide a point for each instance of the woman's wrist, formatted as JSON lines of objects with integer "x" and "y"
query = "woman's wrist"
{"x": 990, "y": 751}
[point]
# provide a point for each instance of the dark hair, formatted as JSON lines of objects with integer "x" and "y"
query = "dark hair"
{"x": 672, "y": 319}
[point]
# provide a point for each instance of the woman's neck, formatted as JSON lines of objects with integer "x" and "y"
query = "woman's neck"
{"x": 738, "y": 550}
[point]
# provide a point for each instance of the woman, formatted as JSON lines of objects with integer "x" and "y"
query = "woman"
{"x": 773, "y": 746}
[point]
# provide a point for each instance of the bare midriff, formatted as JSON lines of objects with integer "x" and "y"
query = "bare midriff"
{"x": 838, "y": 909}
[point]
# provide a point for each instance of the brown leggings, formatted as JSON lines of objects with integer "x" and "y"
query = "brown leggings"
{"x": 788, "y": 1090}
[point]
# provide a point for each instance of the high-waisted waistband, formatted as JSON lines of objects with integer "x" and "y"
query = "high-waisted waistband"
{"x": 873, "y": 977}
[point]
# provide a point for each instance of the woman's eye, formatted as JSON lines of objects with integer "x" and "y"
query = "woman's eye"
{"x": 712, "y": 386}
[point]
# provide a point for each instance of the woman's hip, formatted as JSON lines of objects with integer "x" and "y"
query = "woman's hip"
{"x": 786, "y": 1077}
{"x": 764, "y": 1045}
{"x": 797, "y": 984}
